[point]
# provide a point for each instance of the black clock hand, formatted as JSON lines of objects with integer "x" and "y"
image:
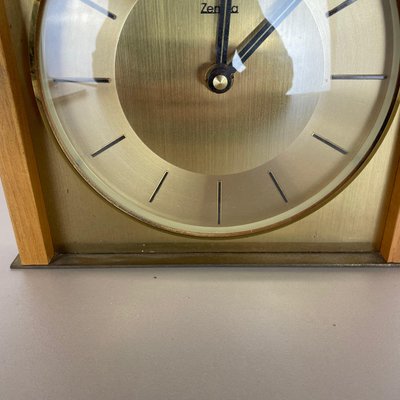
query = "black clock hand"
{"x": 217, "y": 79}
{"x": 224, "y": 21}
{"x": 263, "y": 31}
{"x": 220, "y": 77}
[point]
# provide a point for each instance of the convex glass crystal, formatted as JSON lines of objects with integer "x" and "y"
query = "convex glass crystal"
{"x": 222, "y": 118}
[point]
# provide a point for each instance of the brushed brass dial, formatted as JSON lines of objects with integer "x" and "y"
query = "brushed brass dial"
{"x": 223, "y": 118}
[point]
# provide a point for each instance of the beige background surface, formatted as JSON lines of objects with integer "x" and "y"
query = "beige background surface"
{"x": 197, "y": 334}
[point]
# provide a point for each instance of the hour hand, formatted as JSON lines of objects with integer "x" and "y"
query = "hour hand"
{"x": 273, "y": 18}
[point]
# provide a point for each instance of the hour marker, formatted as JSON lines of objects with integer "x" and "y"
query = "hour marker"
{"x": 103, "y": 149}
{"x": 340, "y": 7}
{"x": 358, "y": 77}
{"x": 99, "y": 9}
{"x": 153, "y": 196}
{"x": 330, "y": 144}
{"x": 81, "y": 80}
{"x": 219, "y": 202}
{"x": 279, "y": 188}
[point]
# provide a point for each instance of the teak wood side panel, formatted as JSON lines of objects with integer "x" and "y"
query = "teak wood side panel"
{"x": 18, "y": 169}
{"x": 390, "y": 248}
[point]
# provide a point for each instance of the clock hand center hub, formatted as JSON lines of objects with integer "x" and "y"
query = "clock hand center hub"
{"x": 219, "y": 78}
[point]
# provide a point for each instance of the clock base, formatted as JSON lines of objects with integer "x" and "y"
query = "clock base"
{"x": 255, "y": 260}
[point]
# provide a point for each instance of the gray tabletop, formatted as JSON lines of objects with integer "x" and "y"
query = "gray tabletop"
{"x": 198, "y": 333}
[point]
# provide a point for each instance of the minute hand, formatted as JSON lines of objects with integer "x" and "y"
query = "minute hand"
{"x": 264, "y": 30}
{"x": 224, "y": 20}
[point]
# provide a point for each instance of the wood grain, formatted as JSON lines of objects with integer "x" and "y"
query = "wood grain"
{"x": 390, "y": 247}
{"x": 18, "y": 169}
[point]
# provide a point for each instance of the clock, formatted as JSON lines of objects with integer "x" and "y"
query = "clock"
{"x": 195, "y": 121}
{"x": 217, "y": 120}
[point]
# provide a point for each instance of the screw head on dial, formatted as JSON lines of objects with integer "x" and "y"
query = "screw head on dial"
{"x": 220, "y": 82}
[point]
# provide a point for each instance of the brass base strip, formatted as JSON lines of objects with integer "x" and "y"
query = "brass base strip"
{"x": 338, "y": 260}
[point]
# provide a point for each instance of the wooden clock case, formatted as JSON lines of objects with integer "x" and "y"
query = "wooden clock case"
{"x": 59, "y": 221}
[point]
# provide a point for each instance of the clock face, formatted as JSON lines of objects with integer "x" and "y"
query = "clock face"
{"x": 218, "y": 118}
